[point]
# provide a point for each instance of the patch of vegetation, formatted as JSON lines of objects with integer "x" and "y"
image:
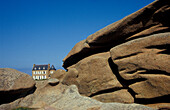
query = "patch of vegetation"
{"x": 23, "y": 108}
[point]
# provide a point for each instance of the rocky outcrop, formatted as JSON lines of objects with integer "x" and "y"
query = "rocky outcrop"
{"x": 58, "y": 74}
{"x": 92, "y": 75}
{"x": 14, "y": 84}
{"x": 72, "y": 100}
{"x": 122, "y": 96}
{"x": 127, "y": 61}
{"x": 149, "y": 20}
{"x": 63, "y": 97}
{"x": 44, "y": 95}
{"x": 144, "y": 65}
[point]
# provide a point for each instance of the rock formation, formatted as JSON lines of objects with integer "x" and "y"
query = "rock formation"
{"x": 58, "y": 74}
{"x": 13, "y": 85}
{"x": 127, "y": 61}
{"x": 149, "y": 20}
{"x": 62, "y": 97}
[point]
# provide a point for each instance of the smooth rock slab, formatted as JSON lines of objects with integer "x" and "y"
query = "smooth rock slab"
{"x": 121, "y": 96}
{"x": 72, "y": 100}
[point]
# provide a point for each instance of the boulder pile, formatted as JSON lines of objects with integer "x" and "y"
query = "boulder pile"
{"x": 123, "y": 66}
{"x": 127, "y": 61}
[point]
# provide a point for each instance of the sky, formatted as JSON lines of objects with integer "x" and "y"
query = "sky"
{"x": 44, "y": 31}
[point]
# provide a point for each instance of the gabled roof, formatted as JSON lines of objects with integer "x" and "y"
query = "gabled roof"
{"x": 40, "y": 67}
{"x": 52, "y": 67}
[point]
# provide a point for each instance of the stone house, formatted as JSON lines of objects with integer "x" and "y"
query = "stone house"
{"x": 42, "y": 71}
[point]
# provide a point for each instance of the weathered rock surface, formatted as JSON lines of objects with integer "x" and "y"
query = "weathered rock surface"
{"x": 53, "y": 81}
{"x": 72, "y": 100}
{"x": 58, "y": 74}
{"x": 129, "y": 57}
{"x": 14, "y": 84}
{"x": 122, "y": 96}
{"x": 44, "y": 95}
{"x": 62, "y": 97}
{"x": 127, "y": 62}
{"x": 151, "y": 19}
{"x": 144, "y": 65}
{"x": 92, "y": 75}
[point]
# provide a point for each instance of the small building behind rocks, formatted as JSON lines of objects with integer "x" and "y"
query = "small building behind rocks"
{"x": 40, "y": 72}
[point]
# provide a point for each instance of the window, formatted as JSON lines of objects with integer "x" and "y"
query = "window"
{"x": 35, "y": 68}
{"x": 45, "y": 72}
{"x": 44, "y": 77}
{"x": 51, "y": 72}
{"x": 39, "y": 68}
{"x": 43, "y": 68}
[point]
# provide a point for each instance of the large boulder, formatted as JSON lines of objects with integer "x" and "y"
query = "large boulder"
{"x": 92, "y": 75}
{"x": 45, "y": 94}
{"x": 58, "y": 74}
{"x": 144, "y": 65}
{"x": 151, "y": 19}
{"x": 14, "y": 84}
{"x": 127, "y": 59}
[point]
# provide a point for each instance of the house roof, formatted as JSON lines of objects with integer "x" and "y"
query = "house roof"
{"x": 40, "y": 67}
{"x": 52, "y": 67}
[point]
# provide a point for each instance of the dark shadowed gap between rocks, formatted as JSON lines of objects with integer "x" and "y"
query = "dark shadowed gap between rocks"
{"x": 156, "y": 32}
{"x": 125, "y": 84}
{"x": 84, "y": 53}
{"x": 151, "y": 72}
{"x": 10, "y": 96}
{"x": 161, "y": 99}
{"x": 105, "y": 91}
{"x": 130, "y": 55}
{"x": 165, "y": 48}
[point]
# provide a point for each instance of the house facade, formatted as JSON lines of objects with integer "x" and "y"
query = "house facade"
{"x": 40, "y": 72}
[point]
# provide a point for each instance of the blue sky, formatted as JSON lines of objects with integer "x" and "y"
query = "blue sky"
{"x": 44, "y": 31}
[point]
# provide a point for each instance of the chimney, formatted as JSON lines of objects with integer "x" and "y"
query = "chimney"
{"x": 48, "y": 66}
{"x": 33, "y": 66}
